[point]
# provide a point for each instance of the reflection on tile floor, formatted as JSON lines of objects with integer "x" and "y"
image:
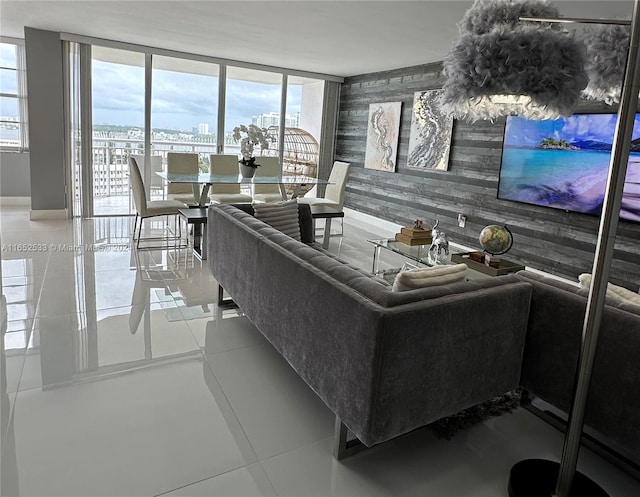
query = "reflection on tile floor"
{"x": 121, "y": 376}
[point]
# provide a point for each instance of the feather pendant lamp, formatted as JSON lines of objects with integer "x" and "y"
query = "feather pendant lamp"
{"x": 607, "y": 47}
{"x": 500, "y": 65}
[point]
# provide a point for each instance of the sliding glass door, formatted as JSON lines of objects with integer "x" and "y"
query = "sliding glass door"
{"x": 252, "y": 97}
{"x": 118, "y": 110}
{"x": 184, "y": 109}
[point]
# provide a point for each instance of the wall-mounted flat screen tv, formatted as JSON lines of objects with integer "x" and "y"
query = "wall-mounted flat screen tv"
{"x": 563, "y": 163}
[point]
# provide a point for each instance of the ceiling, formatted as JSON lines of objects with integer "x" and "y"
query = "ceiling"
{"x": 339, "y": 38}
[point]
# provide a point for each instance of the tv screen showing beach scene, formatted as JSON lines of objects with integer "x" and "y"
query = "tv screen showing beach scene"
{"x": 563, "y": 163}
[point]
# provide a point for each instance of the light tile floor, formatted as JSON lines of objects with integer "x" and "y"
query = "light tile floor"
{"x": 121, "y": 377}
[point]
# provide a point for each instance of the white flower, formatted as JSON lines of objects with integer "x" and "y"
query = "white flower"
{"x": 253, "y": 136}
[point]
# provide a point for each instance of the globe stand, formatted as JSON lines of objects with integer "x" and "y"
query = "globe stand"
{"x": 491, "y": 260}
{"x": 486, "y": 235}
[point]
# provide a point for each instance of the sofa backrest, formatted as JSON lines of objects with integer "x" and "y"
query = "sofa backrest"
{"x": 552, "y": 348}
{"x": 532, "y": 277}
{"x": 355, "y": 279}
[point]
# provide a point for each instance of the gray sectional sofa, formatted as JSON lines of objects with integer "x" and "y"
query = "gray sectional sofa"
{"x": 554, "y": 333}
{"x": 384, "y": 362}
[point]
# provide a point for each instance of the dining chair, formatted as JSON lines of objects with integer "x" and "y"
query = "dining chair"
{"x": 178, "y": 163}
{"x": 226, "y": 165}
{"x": 156, "y": 184}
{"x": 150, "y": 208}
{"x": 269, "y": 166}
{"x": 334, "y": 193}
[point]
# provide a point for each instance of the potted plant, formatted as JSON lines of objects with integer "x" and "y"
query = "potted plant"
{"x": 253, "y": 135}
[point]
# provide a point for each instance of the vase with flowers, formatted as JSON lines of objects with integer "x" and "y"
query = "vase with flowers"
{"x": 249, "y": 137}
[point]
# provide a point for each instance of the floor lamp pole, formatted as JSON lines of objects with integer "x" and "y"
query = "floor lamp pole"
{"x": 603, "y": 256}
{"x": 536, "y": 477}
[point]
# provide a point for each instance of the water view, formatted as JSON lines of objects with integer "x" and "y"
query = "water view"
{"x": 564, "y": 164}
{"x": 565, "y": 179}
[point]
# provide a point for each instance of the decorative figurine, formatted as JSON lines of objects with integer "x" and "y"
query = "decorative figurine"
{"x": 417, "y": 224}
{"x": 439, "y": 249}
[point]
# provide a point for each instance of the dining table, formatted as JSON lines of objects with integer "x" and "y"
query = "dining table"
{"x": 201, "y": 182}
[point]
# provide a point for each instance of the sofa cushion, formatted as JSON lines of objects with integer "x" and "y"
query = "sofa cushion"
{"x": 304, "y": 217}
{"x": 613, "y": 291}
{"x": 283, "y": 216}
{"x": 429, "y": 276}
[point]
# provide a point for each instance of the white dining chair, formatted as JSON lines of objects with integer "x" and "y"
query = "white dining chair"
{"x": 182, "y": 163}
{"x": 334, "y": 193}
{"x": 156, "y": 184}
{"x": 150, "y": 208}
{"x": 269, "y": 166}
{"x": 226, "y": 165}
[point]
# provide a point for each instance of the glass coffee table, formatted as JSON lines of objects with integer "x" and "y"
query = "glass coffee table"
{"x": 418, "y": 254}
{"x": 415, "y": 253}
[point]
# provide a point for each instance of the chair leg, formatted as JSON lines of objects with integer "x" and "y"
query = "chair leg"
{"x": 135, "y": 224}
{"x": 139, "y": 232}
{"x": 175, "y": 232}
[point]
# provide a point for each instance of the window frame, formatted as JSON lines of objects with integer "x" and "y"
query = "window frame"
{"x": 20, "y": 95}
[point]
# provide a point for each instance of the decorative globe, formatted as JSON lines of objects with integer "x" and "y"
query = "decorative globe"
{"x": 495, "y": 239}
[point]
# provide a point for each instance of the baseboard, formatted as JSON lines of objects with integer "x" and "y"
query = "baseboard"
{"x": 15, "y": 200}
{"x": 47, "y": 214}
{"x": 378, "y": 224}
{"x": 387, "y": 228}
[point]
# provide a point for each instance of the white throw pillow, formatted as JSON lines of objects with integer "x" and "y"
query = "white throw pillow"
{"x": 282, "y": 216}
{"x": 429, "y": 276}
{"x": 613, "y": 291}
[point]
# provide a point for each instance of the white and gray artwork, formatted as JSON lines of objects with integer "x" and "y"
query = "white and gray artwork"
{"x": 430, "y": 135}
{"x": 382, "y": 136}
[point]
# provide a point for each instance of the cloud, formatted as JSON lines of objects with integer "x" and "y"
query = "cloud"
{"x": 179, "y": 100}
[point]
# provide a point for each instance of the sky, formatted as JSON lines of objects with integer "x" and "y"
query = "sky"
{"x": 597, "y": 127}
{"x": 179, "y": 100}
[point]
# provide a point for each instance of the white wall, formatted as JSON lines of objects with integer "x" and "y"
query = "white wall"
{"x": 15, "y": 178}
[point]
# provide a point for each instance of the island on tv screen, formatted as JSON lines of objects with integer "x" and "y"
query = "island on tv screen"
{"x": 563, "y": 163}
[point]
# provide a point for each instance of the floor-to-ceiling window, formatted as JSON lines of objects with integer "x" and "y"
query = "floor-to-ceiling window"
{"x": 148, "y": 102}
{"x": 118, "y": 110}
{"x": 252, "y": 97}
{"x": 184, "y": 107}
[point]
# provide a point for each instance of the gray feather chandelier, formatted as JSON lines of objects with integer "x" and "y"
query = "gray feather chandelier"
{"x": 501, "y": 65}
{"x": 606, "y": 49}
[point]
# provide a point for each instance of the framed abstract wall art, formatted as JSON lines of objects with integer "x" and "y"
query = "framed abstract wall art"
{"x": 430, "y": 134}
{"x": 382, "y": 136}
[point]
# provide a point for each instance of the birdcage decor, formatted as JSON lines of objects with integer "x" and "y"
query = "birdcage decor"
{"x": 300, "y": 152}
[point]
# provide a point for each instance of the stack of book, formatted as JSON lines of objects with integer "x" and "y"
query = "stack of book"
{"x": 413, "y": 236}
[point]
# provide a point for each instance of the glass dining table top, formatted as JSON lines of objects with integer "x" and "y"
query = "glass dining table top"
{"x": 209, "y": 178}
{"x": 201, "y": 182}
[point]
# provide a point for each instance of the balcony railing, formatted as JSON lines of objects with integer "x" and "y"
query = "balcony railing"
{"x": 110, "y": 160}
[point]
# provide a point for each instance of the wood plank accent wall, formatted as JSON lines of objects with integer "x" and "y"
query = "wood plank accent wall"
{"x": 554, "y": 241}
